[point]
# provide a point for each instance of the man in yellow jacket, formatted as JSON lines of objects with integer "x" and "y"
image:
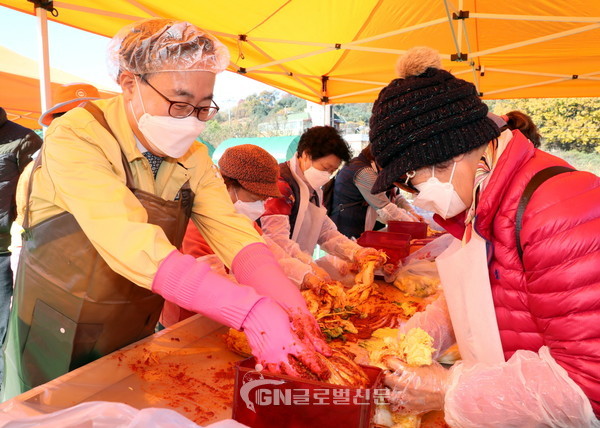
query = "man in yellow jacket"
{"x": 108, "y": 203}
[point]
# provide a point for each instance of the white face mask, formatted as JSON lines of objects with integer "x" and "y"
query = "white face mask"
{"x": 316, "y": 178}
{"x": 441, "y": 198}
{"x": 170, "y": 135}
{"x": 252, "y": 210}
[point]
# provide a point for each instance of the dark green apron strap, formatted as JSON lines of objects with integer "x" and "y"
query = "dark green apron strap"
{"x": 98, "y": 114}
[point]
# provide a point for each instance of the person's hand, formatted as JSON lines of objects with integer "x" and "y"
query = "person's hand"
{"x": 320, "y": 272}
{"x": 416, "y": 389}
{"x": 367, "y": 254}
{"x": 390, "y": 271}
{"x": 285, "y": 344}
{"x": 417, "y": 217}
{"x": 215, "y": 264}
{"x": 312, "y": 282}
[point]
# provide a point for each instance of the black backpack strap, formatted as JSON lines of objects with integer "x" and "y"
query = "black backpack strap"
{"x": 536, "y": 181}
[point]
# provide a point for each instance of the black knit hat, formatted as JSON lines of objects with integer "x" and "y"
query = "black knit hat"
{"x": 425, "y": 118}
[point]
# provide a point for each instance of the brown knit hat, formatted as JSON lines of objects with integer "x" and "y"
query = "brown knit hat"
{"x": 253, "y": 167}
{"x": 425, "y": 117}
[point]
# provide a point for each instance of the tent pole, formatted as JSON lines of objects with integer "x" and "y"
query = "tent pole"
{"x": 94, "y": 11}
{"x": 292, "y": 58}
{"x": 262, "y": 52}
{"x": 350, "y": 94}
{"x": 545, "y": 18}
{"x": 536, "y": 40}
{"x": 532, "y": 85}
{"x": 44, "y": 64}
{"x": 368, "y": 82}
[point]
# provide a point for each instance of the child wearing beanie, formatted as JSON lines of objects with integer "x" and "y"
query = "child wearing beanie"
{"x": 522, "y": 279}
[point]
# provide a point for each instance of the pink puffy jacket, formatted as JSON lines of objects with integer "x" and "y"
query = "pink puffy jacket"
{"x": 553, "y": 298}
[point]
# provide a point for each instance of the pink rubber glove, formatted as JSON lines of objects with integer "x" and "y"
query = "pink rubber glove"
{"x": 280, "y": 346}
{"x": 256, "y": 266}
{"x": 191, "y": 284}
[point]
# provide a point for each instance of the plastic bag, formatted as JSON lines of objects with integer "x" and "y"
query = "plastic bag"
{"x": 338, "y": 269}
{"x": 431, "y": 250}
{"x": 103, "y": 414}
{"x": 529, "y": 390}
{"x": 418, "y": 278}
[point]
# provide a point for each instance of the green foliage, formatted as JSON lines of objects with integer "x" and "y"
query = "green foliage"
{"x": 564, "y": 123}
{"x": 216, "y": 132}
{"x": 358, "y": 113}
{"x": 290, "y": 104}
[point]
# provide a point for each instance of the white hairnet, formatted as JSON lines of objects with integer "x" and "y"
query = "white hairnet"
{"x": 157, "y": 45}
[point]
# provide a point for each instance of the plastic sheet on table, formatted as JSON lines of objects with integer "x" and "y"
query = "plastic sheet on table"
{"x": 186, "y": 368}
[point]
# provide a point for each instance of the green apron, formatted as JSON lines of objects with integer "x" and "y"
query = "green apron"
{"x": 69, "y": 306}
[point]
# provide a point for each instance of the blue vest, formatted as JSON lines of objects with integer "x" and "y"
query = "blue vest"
{"x": 349, "y": 209}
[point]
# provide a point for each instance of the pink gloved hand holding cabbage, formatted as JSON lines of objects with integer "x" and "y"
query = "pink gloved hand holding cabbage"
{"x": 255, "y": 266}
{"x": 280, "y": 323}
{"x": 283, "y": 344}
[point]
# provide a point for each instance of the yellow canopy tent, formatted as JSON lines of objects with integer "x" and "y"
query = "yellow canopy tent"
{"x": 339, "y": 51}
{"x": 20, "y": 87}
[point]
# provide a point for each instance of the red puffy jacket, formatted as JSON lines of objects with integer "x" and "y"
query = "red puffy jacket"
{"x": 553, "y": 298}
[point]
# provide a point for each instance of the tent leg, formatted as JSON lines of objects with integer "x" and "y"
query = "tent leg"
{"x": 44, "y": 64}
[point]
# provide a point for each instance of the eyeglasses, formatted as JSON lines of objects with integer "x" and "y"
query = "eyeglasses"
{"x": 181, "y": 110}
{"x": 405, "y": 183}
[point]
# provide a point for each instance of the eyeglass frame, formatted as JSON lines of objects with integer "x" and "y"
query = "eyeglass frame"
{"x": 214, "y": 108}
{"x": 407, "y": 186}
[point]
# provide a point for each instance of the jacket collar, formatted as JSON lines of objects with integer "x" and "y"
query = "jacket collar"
{"x": 518, "y": 151}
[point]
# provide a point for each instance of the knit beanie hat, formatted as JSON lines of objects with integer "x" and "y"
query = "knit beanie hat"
{"x": 253, "y": 167}
{"x": 425, "y": 117}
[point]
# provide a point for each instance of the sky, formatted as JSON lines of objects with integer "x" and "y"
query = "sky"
{"x": 84, "y": 54}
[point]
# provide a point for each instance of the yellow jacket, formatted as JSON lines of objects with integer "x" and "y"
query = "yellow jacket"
{"x": 82, "y": 173}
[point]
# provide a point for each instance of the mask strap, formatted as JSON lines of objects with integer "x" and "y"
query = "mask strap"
{"x": 452, "y": 174}
{"x": 433, "y": 171}
{"x": 235, "y": 193}
{"x": 139, "y": 94}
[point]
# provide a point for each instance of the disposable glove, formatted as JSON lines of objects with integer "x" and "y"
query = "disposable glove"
{"x": 320, "y": 272}
{"x": 529, "y": 390}
{"x": 435, "y": 320}
{"x": 312, "y": 282}
{"x": 416, "y": 389}
{"x": 277, "y": 229}
{"x": 391, "y": 212}
{"x": 338, "y": 269}
{"x": 364, "y": 254}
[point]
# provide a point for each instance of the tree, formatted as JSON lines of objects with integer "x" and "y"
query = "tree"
{"x": 564, "y": 123}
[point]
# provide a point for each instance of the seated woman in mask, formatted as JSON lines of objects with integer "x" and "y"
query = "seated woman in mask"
{"x": 250, "y": 174}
